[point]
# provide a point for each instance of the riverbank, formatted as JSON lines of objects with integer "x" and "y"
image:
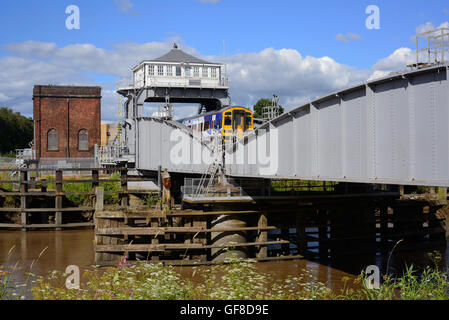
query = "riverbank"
{"x": 40, "y": 251}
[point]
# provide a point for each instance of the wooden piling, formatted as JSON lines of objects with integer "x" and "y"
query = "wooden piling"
{"x": 262, "y": 251}
{"x": 58, "y": 200}
{"x": 23, "y": 197}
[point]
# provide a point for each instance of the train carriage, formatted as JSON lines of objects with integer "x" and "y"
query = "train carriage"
{"x": 231, "y": 121}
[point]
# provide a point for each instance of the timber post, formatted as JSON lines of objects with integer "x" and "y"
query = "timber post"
{"x": 262, "y": 235}
{"x": 23, "y": 197}
{"x": 124, "y": 185}
{"x": 58, "y": 200}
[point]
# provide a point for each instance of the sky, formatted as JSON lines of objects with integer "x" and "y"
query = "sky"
{"x": 297, "y": 49}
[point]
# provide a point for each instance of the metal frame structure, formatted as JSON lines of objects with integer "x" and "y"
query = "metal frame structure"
{"x": 437, "y": 46}
{"x": 393, "y": 130}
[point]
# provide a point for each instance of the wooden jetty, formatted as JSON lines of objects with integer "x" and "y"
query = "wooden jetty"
{"x": 322, "y": 225}
{"x": 278, "y": 225}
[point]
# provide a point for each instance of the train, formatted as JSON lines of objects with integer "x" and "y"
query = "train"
{"x": 228, "y": 121}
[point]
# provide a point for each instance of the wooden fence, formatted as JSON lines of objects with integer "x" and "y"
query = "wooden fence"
{"x": 28, "y": 187}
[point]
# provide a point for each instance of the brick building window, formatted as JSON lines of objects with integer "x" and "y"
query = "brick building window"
{"x": 52, "y": 140}
{"x": 83, "y": 140}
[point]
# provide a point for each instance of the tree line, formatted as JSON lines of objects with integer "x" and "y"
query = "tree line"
{"x": 16, "y": 131}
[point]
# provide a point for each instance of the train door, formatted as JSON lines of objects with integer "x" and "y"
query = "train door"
{"x": 239, "y": 123}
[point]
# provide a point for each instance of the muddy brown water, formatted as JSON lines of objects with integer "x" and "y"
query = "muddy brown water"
{"x": 44, "y": 251}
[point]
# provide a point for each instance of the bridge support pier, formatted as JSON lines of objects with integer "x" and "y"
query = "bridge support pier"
{"x": 227, "y": 237}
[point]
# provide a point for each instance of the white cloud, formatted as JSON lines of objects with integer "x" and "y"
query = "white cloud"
{"x": 3, "y": 97}
{"x": 396, "y": 61}
{"x": 296, "y": 78}
{"x": 288, "y": 73}
{"x": 347, "y": 37}
{"x": 426, "y": 27}
{"x": 125, "y": 6}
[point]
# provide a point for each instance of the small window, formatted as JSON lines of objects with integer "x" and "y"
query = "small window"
{"x": 160, "y": 70}
{"x": 196, "y": 72}
{"x": 228, "y": 121}
{"x": 169, "y": 71}
{"x": 178, "y": 71}
{"x": 188, "y": 71}
{"x": 83, "y": 140}
{"x": 52, "y": 140}
{"x": 151, "y": 70}
{"x": 205, "y": 72}
{"x": 213, "y": 72}
{"x": 249, "y": 120}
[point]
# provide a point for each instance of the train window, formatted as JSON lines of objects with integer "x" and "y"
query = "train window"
{"x": 213, "y": 124}
{"x": 228, "y": 121}
{"x": 249, "y": 121}
{"x": 206, "y": 126}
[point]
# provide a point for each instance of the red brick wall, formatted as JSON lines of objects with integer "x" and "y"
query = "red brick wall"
{"x": 68, "y": 110}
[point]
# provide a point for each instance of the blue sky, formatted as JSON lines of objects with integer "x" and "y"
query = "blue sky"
{"x": 146, "y": 27}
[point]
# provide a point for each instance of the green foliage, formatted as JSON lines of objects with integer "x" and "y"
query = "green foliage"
{"x": 5, "y": 284}
{"x": 258, "y": 107}
{"x": 151, "y": 200}
{"x": 86, "y": 199}
{"x": 16, "y": 131}
{"x": 302, "y": 185}
{"x": 236, "y": 280}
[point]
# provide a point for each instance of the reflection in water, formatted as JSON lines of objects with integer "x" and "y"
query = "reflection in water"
{"x": 57, "y": 250}
{"x": 75, "y": 247}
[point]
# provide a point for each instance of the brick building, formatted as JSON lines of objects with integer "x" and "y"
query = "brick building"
{"x": 67, "y": 121}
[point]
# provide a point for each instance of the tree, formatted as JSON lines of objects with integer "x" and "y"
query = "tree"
{"x": 16, "y": 131}
{"x": 258, "y": 107}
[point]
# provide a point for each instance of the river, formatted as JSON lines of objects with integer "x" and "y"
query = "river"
{"x": 43, "y": 251}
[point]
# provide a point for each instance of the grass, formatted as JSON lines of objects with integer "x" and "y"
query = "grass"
{"x": 5, "y": 284}
{"x": 236, "y": 280}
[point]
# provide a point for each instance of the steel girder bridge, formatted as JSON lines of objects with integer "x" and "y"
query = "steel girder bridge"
{"x": 393, "y": 130}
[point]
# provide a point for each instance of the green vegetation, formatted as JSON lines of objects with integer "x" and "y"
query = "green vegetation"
{"x": 258, "y": 107}
{"x": 302, "y": 185}
{"x": 86, "y": 199}
{"x": 16, "y": 131}
{"x": 236, "y": 280}
{"x": 151, "y": 200}
{"x": 5, "y": 284}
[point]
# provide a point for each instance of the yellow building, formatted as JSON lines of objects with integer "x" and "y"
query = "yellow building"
{"x": 108, "y": 133}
